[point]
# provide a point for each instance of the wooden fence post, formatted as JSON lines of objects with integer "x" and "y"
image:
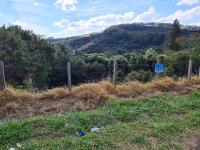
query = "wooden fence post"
{"x": 199, "y": 72}
{"x": 69, "y": 76}
{"x": 114, "y": 72}
{"x": 2, "y": 76}
{"x": 179, "y": 80}
{"x": 190, "y": 69}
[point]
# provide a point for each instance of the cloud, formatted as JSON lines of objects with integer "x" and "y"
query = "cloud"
{"x": 95, "y": 24}
{"x": 98, "y": 24}
{"x": 30, "y": 7}
{"x": 67, "y": 5}
{"x": 187, "y": 2}
{"x": 148, "y": 16}
{"x": 36, "y": 28}
{"x": 61, "y": 24}
{"x": 35, "y": 4}
{"x": 182, "y": 15}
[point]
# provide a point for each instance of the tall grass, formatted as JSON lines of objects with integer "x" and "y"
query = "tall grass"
{"x": 92, "y": 94}
{"x": 131, "y": 88}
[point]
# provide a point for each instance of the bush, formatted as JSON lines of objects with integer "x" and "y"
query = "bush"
{"x": 139, "y": 75}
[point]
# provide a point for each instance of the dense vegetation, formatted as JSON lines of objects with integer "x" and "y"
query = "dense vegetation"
{"x": 32, "y": 61}
{"x": 127, "y": 38}
{"x": 164, "y": 122}
{"x": 26, "y": 56}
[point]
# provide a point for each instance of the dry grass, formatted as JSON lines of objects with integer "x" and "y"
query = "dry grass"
{"x": 108, "y": 86}
{"x": 193, "y": 80}
{"x": 89, "y": 95}
{"x": 162, "y": 84}
{"x": 135, "y": 88}
{"x": 11, "y": 95}
{"x": 130, "y": 89}
{"x": 56, "y": 93}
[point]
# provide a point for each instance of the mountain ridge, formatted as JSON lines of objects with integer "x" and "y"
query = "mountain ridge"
{"x": 124, "y": 38}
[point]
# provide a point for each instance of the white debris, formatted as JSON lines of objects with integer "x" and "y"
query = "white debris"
{"x": 96, "y": 130}
{"x": 11, "y": 148}
{"x": 18, "y": 145}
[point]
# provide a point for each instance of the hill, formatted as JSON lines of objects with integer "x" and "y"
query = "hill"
{"x": 125, "y": 38}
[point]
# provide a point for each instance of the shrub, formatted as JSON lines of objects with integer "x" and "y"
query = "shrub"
{"x": 139, "y": 75}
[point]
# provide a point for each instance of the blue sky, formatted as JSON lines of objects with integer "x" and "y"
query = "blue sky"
{"x": 64, "y": 18}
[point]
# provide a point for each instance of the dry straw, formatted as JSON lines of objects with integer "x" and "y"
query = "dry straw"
{"x": 92, "y": 94}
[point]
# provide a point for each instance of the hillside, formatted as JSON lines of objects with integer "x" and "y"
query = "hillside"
{"x": 125, "y": 38}
{"x": 161, "y": 122}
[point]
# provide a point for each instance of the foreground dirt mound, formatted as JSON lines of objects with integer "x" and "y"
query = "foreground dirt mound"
{"x": 20, "y": 104}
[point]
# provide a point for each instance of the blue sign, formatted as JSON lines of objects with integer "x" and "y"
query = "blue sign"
{"x": 159, "y": 68}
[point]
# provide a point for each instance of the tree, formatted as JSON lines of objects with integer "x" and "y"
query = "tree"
{"x": 151, "y": 54}
{"x": 175, "y": 33}
{"x": 25, "y": 55}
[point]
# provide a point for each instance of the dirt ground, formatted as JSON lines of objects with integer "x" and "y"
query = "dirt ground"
{"x": 22, "y": 109}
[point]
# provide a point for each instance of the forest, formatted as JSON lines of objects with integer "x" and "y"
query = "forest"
{"x": 34, "y": 62}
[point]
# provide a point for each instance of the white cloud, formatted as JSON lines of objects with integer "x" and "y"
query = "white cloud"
{"x": 61, "y": 24}
{"x": 67, "y": 5}
{"x": 100, "y": 23}
{"x": 29, "y": 7}
{"x": 35, "y": 4}
{"x": 36, "y": 28}
{"x": 148, "y": 16}
{"x": 95, "y": 24}
{"x": 187, "y": 2}
{"x": 183, "y": 15}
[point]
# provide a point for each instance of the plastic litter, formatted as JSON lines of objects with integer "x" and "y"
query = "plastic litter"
{"x": 95, "y": 130}
{"x": 18, "y": 145}
{"x": 81, "y": 133}
{"x": 11, "y": 148}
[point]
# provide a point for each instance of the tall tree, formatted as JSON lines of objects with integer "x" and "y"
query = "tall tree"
{"x": 175, "y": 33}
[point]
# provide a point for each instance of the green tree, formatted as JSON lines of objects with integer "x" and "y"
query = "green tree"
{"x": 25, "y": 54}
{"x": 175, "y": 33}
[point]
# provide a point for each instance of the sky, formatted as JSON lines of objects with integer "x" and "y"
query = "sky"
{"x": 65, "y": 18}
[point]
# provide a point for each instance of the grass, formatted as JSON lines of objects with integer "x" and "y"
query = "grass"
{"x": 161, "y": 122}
{"x": 92, "y": 94}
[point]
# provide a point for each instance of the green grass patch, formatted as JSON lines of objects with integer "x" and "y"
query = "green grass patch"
{"x": 131, "y": 124}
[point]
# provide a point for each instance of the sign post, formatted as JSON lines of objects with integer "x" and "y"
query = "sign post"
{"x": 159, "y": 68}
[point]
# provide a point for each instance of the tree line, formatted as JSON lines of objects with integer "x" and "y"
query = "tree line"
{"x": 31, "y": 61}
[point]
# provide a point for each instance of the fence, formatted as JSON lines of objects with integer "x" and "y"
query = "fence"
{"x": 68, "y": 76}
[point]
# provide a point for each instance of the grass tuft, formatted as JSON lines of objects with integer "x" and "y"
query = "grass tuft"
{"x": 90, "y": 95}
{"x": 162, "y": 84}
{"x": 56, "y": 93}
{"x": 193, "y": 80}
{"x": 130, "y": 89}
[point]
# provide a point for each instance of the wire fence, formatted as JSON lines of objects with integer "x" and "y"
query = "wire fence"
{"x": 117, "y": 72}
